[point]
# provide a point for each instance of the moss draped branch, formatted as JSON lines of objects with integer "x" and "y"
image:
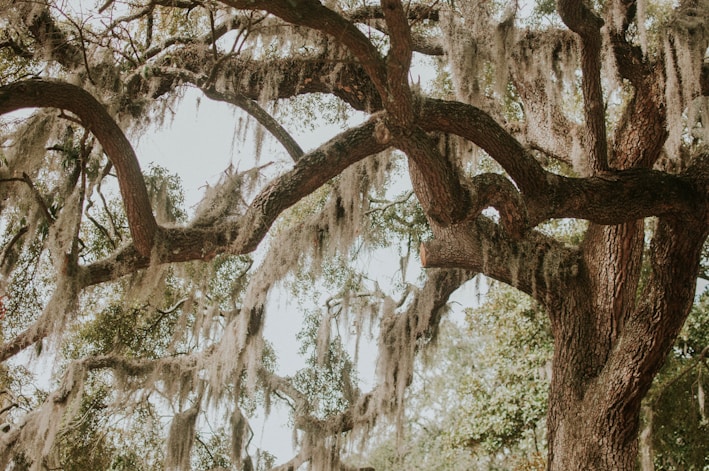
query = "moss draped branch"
{"x": 38, "y": 93}
{"x": 613, "y": 197}
{"x": 243, "y": 234}
{"x": 312, "y": 14}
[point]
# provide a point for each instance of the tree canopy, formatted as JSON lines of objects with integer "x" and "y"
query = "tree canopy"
{"x": 584, "y": 113}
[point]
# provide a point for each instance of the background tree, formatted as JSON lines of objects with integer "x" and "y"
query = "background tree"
{"x": 590, "y": 112}
{"x": 479, "y": 400}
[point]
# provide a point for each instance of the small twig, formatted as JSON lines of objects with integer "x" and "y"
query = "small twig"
{"x": 165, "y": 313}
{"x": 35, "y": 192}
{"x": 23, "y": 230}
{"x": 549, "y": 153}
{"x": 102, "y": 229}
{"x": 389, "y": 204}
{"x": 72, "y": 119}
{"x": 206, "y": 448}
{"x": 695, "y": 361}
{"x": 10, "y": 407}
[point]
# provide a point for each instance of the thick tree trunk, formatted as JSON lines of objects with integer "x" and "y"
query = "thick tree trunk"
{"x": 610, "y": 341}
{"x": 589, "y": 434}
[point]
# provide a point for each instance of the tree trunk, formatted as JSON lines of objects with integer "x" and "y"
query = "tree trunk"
{"x": 609, "y": 345}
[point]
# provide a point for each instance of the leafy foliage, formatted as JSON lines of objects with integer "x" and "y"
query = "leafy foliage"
{"x": 479, "y": 399}
{"x": 675, "y": 414}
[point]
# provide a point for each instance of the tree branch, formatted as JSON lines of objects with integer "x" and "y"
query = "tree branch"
{"x": 584, "y": 22}
{"x": 478, "y": 127}
{"x": 435, "y": 178}
{"x": 262, "y": 116}
{"x": 650, "y": 331}
{"x": 312, "y": 14}
{"x": 619, "y": 197}
{"x": 6, "y": 249}
{"x": 536, "y": 264}
{"x": 39, "y": 93}
{"x": 40, "y": 328}
{"x": 243, "y": 234}
{"x": 35, "y": 192}
{"x": 613, "y": 198}
{"x": 398, "y": 62}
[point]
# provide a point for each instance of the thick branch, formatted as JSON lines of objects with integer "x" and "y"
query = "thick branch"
{"x": 53, "y": 94}
{"x": 651, "y": 331}
{"x": 629, "y": 58}
{"x": 618, "y": 197}
{"x": 245, "y": 233}
{"x": 312, "y": 14}
{"x": 478, "y": 127}
{"x": 537, "y": 265}
{"x": 612, "y": 198}
{"x": 413, "y": 12}
{"x": 584, "y": 22}
{"x": 398, "y": 63}
{"x": 642, "y": 130}
{"x": 435, "y": 179}
{"x": 296, "y": 76}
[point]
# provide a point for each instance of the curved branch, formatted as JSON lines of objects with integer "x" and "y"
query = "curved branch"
{"x": 495, "y": 191}
{"x": 238, "y": 99}
{"x": 243, "y": 234}
{"x": 38, "y": 93}
{"x": 611, "y": 198}
{"x": 475, "y": 125}
{"x": 435, "y": 179}
{"x": 312, "y": 14}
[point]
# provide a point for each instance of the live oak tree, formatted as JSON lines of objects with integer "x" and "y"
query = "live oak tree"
{"x": 594, "y": 112}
